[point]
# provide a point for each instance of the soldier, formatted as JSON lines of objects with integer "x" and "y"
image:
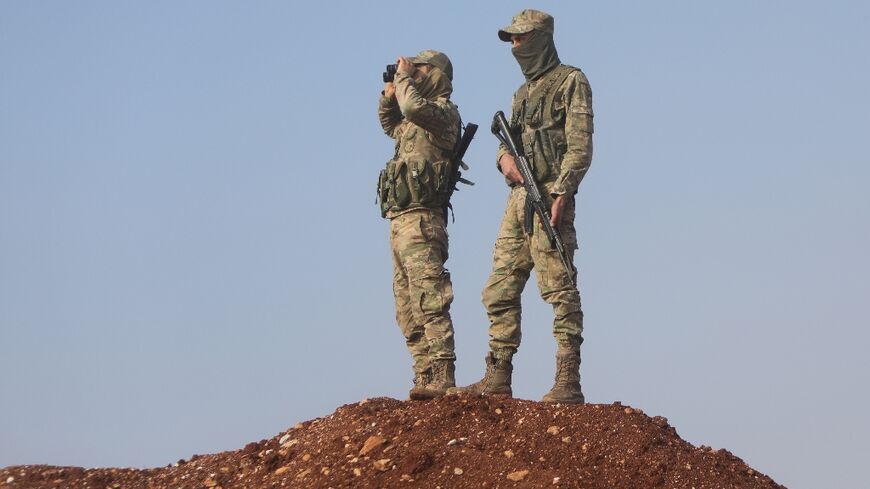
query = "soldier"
{"x": 416, "y": 111}
{"x": 551, "y": 120}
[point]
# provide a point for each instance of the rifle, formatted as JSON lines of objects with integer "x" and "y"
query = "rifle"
{"x": 456, "y": 164}
{"x": 534, "y": 201}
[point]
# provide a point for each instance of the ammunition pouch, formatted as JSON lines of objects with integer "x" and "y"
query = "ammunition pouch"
{"x": 406, "y": 184}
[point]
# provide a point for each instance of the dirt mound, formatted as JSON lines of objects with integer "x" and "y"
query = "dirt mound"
{"x": 455, "y": 442}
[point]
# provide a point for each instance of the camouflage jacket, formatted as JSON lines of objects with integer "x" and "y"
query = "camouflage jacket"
{"x": 552, "y": 119}
{"x": 426, "y": 133}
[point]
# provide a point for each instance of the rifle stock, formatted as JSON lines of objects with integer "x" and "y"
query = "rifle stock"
{"x": 456, "y": 164}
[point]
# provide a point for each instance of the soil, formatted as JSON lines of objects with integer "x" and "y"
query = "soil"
{"x": 453, "y": 442}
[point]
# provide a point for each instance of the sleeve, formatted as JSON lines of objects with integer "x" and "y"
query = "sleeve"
{"x": 389, "y": 115}
{"x": 431, "y": 115}
{"x": 578, "y": 135}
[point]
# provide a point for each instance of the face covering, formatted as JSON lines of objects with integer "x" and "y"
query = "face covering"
{"x": 537, "y": 55}
{"x": 434, "y": 85}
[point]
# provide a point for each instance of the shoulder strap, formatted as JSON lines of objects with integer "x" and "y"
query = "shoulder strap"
{"x": 552, "y": 80}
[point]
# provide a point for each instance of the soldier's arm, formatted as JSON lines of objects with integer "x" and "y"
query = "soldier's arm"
{"x": 389, "y": 113}
{"x": 578, "y": 135}
{"x": 432, "y": 116}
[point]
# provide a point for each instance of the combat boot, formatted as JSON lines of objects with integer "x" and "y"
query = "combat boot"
{"x": 566, "y": 389}
{"x": 421, "y": 378}
{"x": 495, "y": 382}
{"x": 442, "y": 378}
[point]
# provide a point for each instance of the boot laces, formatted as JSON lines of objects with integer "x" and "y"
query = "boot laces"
{"x": 421, "y": 378}
{"x": 439, "y": 369}
{"x": 563, "y": 368}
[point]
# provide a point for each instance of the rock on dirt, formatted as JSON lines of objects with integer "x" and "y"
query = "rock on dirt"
{"x": 382, "y": 443}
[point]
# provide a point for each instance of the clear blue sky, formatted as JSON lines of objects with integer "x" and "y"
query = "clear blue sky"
{"x": 190, "y": 256}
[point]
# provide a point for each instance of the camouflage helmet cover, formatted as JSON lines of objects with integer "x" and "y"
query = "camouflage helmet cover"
{"x": 436, "y": 59}
{"x": 527, "y": 21}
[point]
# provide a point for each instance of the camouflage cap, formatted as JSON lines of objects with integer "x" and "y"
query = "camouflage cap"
{"x": 436, "y": 59}
{"x": 527, "y": 21}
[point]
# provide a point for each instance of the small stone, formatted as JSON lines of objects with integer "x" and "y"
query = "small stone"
{"x": 383, "y": 464}
{"x": 364, "y": 401}
{"x": 210, "y": 482}
{"x": 289, "y": 443}
{"x": 629, "y": 410}
{"x": 282, "y": 470}
{"x": 370, "y": 444}
{"x": 418, "y": 422}
{"x": 284, "y": 439}
{"x": 660, "y": 421}
{"x": 357, "y": 472}
{"x": 407, "y": 478}
{"x": 518, "y": 475}
{"x": 566, "y": 439}
{"x": 324, "y": 470}
{"x": 555, "y": 480}
{"x": 303, "y": 474}
{"x": 457, "y": 471}
{"x": 553, "y": 430}
{"x": 585, "y": 447}
{"x": 508, "y": 453}
{"x": 306, "y": 457}
{"x": 298, "y": 426}
{"x": 497, "y": 410}
{"x": 10, "y": 479}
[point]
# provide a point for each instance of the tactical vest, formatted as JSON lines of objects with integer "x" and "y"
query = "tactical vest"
{"x": 540, "y": 125}
{"x": 419, "y": 173}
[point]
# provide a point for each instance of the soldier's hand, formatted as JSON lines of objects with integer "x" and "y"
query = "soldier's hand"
{"x": 557, "y": 209}
{"x": 508, "y": 167}
{"x": 406, "y": 66}
{"x": 389, "y": 90}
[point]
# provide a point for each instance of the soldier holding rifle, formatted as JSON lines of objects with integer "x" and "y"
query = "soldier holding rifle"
{"x": 551, "y": 126}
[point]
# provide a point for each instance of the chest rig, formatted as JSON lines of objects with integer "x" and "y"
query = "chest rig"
{"x": 538, "y": 121}
{"x": 419, "y": 173}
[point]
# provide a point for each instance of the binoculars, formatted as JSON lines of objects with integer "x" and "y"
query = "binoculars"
{"x": 390, "y": 74}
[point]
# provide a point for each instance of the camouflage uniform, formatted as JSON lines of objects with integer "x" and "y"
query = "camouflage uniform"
{"x": 558, "y": 170}
{"x": 551, "y": 120}
{"x": 412, "y": 190}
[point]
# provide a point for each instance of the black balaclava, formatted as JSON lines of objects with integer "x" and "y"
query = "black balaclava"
{"x": 537, "y": 55}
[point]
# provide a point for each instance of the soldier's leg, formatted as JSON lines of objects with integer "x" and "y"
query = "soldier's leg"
{"x": 429, "y": 285}
{"x": 501, "y": 297}
{"x": 557, "y": 289}
{"x": 511, "y": 266}
{"x": 431, "y": 294}
{"x": 413, "y": 332}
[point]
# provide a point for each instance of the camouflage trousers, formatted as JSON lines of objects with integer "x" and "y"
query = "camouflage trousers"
{"x": 421, "y": 285}
{"x": 516, "y": 254}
